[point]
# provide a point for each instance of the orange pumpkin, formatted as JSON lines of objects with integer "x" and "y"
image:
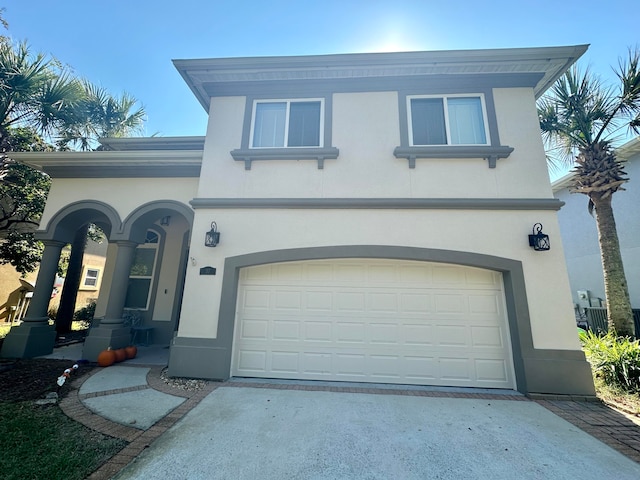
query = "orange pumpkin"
{"x": 121, "y": 355}
{"x": 106, "y": 357}
{"x": 131, "y": 351}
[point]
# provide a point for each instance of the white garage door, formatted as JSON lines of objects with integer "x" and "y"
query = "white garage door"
{"x": 370, "y": 320}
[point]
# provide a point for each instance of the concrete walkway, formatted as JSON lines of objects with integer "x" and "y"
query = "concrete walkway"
{"x": 257, "y": 429}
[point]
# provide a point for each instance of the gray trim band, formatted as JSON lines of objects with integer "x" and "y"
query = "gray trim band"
{"x": 383, "y": 203}
{"x": 123, "y": 171}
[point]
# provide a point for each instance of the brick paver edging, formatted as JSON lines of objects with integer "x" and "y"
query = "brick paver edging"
{"x": 138, "y": 439}
{"x": 602, "y": 422}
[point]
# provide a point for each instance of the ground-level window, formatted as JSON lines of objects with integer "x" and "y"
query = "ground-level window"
{"x": 447, "y": 120}
{"x": 287, "y": 123}
{"x": 142, "y": 272}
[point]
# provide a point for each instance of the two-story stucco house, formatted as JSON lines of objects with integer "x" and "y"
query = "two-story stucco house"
{"x": 373, "y": 213}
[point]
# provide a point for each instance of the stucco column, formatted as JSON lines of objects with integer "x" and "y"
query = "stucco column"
{"x": 35, "y": 337}
{"x": 111, "y": 332}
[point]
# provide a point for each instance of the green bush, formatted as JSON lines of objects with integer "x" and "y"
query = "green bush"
{"x": 614, "y": 359}
{"x": 85, "y": 314}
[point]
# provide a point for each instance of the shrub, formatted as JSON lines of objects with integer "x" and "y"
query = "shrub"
{"x": 614, "y": 359}
{"x": 85, "y": 314}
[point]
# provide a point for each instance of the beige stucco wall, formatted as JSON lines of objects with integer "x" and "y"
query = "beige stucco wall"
{"x": 123, "y": 194}
{"x": 366, "y": 130}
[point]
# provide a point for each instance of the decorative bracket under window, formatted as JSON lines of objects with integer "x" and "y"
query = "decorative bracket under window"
{"x": 489, "y": 153}
{"x": 305, "y": 153}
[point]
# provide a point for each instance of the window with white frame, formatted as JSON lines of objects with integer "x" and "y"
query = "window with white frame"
{"x": 90, "y": 279}
{"x": 447, "y": 120}
{"x": 287, "y": 123}
{"x": 142, "y": 272}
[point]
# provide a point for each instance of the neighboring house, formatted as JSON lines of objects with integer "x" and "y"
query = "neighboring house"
{"x": 16, "y": 290}
{"x": 15, "y": 293}
{"x": 373, "y": 213}
{"x": 580, "y": 234}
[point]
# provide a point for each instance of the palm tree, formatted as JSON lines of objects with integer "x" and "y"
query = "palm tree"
{"x": 100, "y": 115}
{"x": 580, "y": 119}
{"x": 35, "y": 92}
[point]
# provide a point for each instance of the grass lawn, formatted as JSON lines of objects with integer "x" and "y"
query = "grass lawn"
{"x": 39, "y": 441}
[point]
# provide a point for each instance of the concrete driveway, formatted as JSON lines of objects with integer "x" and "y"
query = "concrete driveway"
{"x": 257, "y": 433}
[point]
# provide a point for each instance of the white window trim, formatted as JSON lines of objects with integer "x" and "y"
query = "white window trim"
{"x": 446, "y": 119}
{"x": 85, "y": 276}
{"x": 288, "y": 101}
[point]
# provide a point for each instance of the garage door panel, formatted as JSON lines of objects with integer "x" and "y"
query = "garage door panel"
{"x": 319, "y": 301}
{"x": 384, "y": 333}
{"x": 254, "y": 361}
{"x": 418, "y": 335}
{"x": 350, "y": 301}
{"x": 286, "y": 330}
{"x": 287, "y": 300}
{"x": 350, "y": 332}
{"x": 318, "y": 331}
{"x": 252, "y": 329}
{"x": 383, "y": 302}
{"x": 285, "y": 362}
{"x": 373, "y": 320}
{"x": 256, "y": 299}
{"x": 484, "y": 304}
{"x": 452, "y": 335}
{"x": 419, "y": 303}
{"x": 315, "y": 363}
{"x": 491, "y": 370}
{"x": 487, "y": 337}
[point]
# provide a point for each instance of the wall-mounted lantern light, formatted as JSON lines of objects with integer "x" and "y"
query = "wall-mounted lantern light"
{"x": 165, "y": 220}
{"x": 212, "y": 237}
{"x": 539, "y": 241}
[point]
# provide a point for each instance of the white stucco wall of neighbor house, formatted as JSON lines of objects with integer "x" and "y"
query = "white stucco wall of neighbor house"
{"x": 365, "y": 129}
{"x": 123, "y": 194}
{"x": 580, "y": 235}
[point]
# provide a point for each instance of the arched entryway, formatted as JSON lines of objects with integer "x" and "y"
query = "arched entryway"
{"x": 170, "y": 225}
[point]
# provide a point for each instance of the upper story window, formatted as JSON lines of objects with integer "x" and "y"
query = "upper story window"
{"x": 449, "y": 120}
{"x": 287, "y": 123}
{"x": 91, "y": 278}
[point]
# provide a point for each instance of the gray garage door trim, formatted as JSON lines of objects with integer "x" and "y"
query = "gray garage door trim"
{"x": 536, "y": 370}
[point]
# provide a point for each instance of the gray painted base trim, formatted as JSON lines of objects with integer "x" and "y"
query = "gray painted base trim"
{"x": 383, "y": 203}
{"x": 29, "y": 340}
{"x": 199, "y": 358}
{"x": 558, "y": 372}
{"x": 102, "y": 337}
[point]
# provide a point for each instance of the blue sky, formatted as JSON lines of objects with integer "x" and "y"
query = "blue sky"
{"x": 128, "y": 45}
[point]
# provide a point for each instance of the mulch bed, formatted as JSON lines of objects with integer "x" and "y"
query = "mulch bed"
{"x": 32, "y": 378}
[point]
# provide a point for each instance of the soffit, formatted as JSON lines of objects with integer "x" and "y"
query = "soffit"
{"x": 550, "y": 62}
